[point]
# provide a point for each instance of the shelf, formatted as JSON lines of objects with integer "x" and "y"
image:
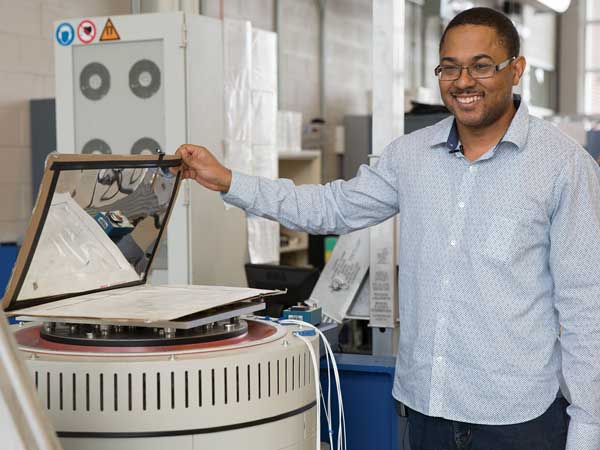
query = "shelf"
{"x": 300, "y": 156}
{"x": 302, "y": 167}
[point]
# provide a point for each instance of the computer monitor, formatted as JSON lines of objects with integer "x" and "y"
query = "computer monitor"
{"x": 298, "y": 281}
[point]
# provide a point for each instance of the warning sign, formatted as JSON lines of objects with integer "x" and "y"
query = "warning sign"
{"x": 86, "y": 31}
{"x": 110, "y": 32}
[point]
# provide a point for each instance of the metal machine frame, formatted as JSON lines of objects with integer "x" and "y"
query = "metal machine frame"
{"x": 206, "y": 243}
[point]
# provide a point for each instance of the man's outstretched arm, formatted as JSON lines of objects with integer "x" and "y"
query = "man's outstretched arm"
{"x": 337, "y": 207}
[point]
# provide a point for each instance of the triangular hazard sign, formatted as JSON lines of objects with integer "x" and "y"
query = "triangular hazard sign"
{"x": 110, "y": 32}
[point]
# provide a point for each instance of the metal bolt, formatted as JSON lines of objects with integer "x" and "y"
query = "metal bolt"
{"x": 170, "y": 332}
{"x": 285, "y": 343}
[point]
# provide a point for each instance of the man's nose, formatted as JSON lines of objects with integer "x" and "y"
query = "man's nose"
{"x": 465, "y": 79}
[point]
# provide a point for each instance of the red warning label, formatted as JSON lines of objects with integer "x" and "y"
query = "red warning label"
{"x": 86, "y": 31}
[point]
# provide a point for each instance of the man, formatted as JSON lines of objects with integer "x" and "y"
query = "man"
{"x": 499, "y": 248}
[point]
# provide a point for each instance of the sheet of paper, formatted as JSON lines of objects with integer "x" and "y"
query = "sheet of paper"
{"x": 145, "y": 303}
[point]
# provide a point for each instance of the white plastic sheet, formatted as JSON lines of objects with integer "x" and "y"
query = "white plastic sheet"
{"x": 264, "y": 103}
{"x": 251, "y": 120}
{"x": 263, "y": 234}
{"x": 264, "y": 61}
{"x": 289, "y": 131}
{"x": 264, "y": 115}
{"x": 237, "y": 43}
{"x": 263, "y": 240}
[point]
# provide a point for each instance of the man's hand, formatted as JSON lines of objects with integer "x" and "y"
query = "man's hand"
{"x": 200, "y": 165}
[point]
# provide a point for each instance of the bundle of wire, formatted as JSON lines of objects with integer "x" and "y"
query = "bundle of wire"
{"x": 341, "y": 435}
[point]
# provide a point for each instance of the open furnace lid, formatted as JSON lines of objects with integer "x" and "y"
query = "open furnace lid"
{"x": 96, "y": 227}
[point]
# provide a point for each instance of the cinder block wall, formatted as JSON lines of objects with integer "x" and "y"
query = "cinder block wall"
{"x": 348, "y": 58}
{"x": 27, "y": 72}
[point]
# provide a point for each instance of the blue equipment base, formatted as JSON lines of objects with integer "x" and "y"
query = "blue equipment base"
{"x": 369, "y": 408}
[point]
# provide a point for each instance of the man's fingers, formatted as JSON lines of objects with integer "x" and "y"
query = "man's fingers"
{"x": 189, "y": 173}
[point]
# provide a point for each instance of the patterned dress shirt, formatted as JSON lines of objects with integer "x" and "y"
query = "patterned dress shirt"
{"x": 495, "y": 256}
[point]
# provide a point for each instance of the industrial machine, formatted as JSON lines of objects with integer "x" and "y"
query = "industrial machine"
{"x": 142, "y": 83}
{"x": 120, "y": 364}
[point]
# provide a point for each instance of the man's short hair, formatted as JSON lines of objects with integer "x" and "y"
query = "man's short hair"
{"x": 505, "y": 29}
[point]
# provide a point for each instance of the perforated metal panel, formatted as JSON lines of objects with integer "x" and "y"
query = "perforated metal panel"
{"x": 118, "y": 95}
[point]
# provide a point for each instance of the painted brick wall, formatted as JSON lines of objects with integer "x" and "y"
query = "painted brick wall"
{"x": 27, "y": 72}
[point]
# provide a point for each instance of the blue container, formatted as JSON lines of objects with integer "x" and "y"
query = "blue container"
{"x": 369, "y": 408}
{"x": 8, "y": 256}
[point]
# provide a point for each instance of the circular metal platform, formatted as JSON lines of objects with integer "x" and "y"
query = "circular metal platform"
{"x": 129, "y": 336}
{"x": 30, "y": 339}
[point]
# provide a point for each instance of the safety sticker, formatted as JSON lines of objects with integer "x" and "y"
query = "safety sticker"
{"x": 86, "y": 31}
{"x": 65, "y": 34}
{"x": 110, "y": 32}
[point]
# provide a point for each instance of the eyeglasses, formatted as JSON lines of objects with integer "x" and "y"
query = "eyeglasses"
{"x": 478, "y": 70}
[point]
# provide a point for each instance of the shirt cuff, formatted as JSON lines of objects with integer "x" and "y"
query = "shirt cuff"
{"x": 242, "y": 190}
{"x": 583, "y": 436}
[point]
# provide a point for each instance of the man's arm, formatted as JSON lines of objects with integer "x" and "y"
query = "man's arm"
{"x": 575, "y": 268}
{"x": 337, "y": 207}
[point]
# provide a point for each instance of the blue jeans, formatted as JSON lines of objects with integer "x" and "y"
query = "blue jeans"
{"x": 547, "y": 432}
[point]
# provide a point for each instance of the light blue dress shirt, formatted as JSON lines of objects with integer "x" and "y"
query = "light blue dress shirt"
{"x": 495, "y": 255}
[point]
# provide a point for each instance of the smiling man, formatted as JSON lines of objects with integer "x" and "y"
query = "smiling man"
{"x": 499, "y": 250}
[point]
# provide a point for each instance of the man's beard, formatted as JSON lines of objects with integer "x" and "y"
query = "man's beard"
{"x": 489, "y": 117}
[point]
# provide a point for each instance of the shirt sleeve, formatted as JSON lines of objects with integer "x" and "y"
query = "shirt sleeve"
{"x": 575, "y": 267}
{"x": 338, "y": 207}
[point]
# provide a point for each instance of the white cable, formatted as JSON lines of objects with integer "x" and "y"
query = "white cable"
{"x": 327, "y": 406}
{"x": 317, "y": 389}
{"x": 342, "y": 443}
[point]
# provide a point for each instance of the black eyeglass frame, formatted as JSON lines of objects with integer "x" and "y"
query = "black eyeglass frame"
{"x": 497, "y": 67}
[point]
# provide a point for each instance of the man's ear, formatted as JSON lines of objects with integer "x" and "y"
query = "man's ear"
{"x": 519, "y": 65}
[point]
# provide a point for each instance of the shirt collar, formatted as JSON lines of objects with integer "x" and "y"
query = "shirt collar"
{"x": 446, "y": 131}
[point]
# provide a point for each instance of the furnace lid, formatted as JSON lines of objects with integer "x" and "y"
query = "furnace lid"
{"x": 96, "y": 226}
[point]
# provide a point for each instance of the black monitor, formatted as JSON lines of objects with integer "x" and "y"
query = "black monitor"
{"x": 298, "y": 281}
